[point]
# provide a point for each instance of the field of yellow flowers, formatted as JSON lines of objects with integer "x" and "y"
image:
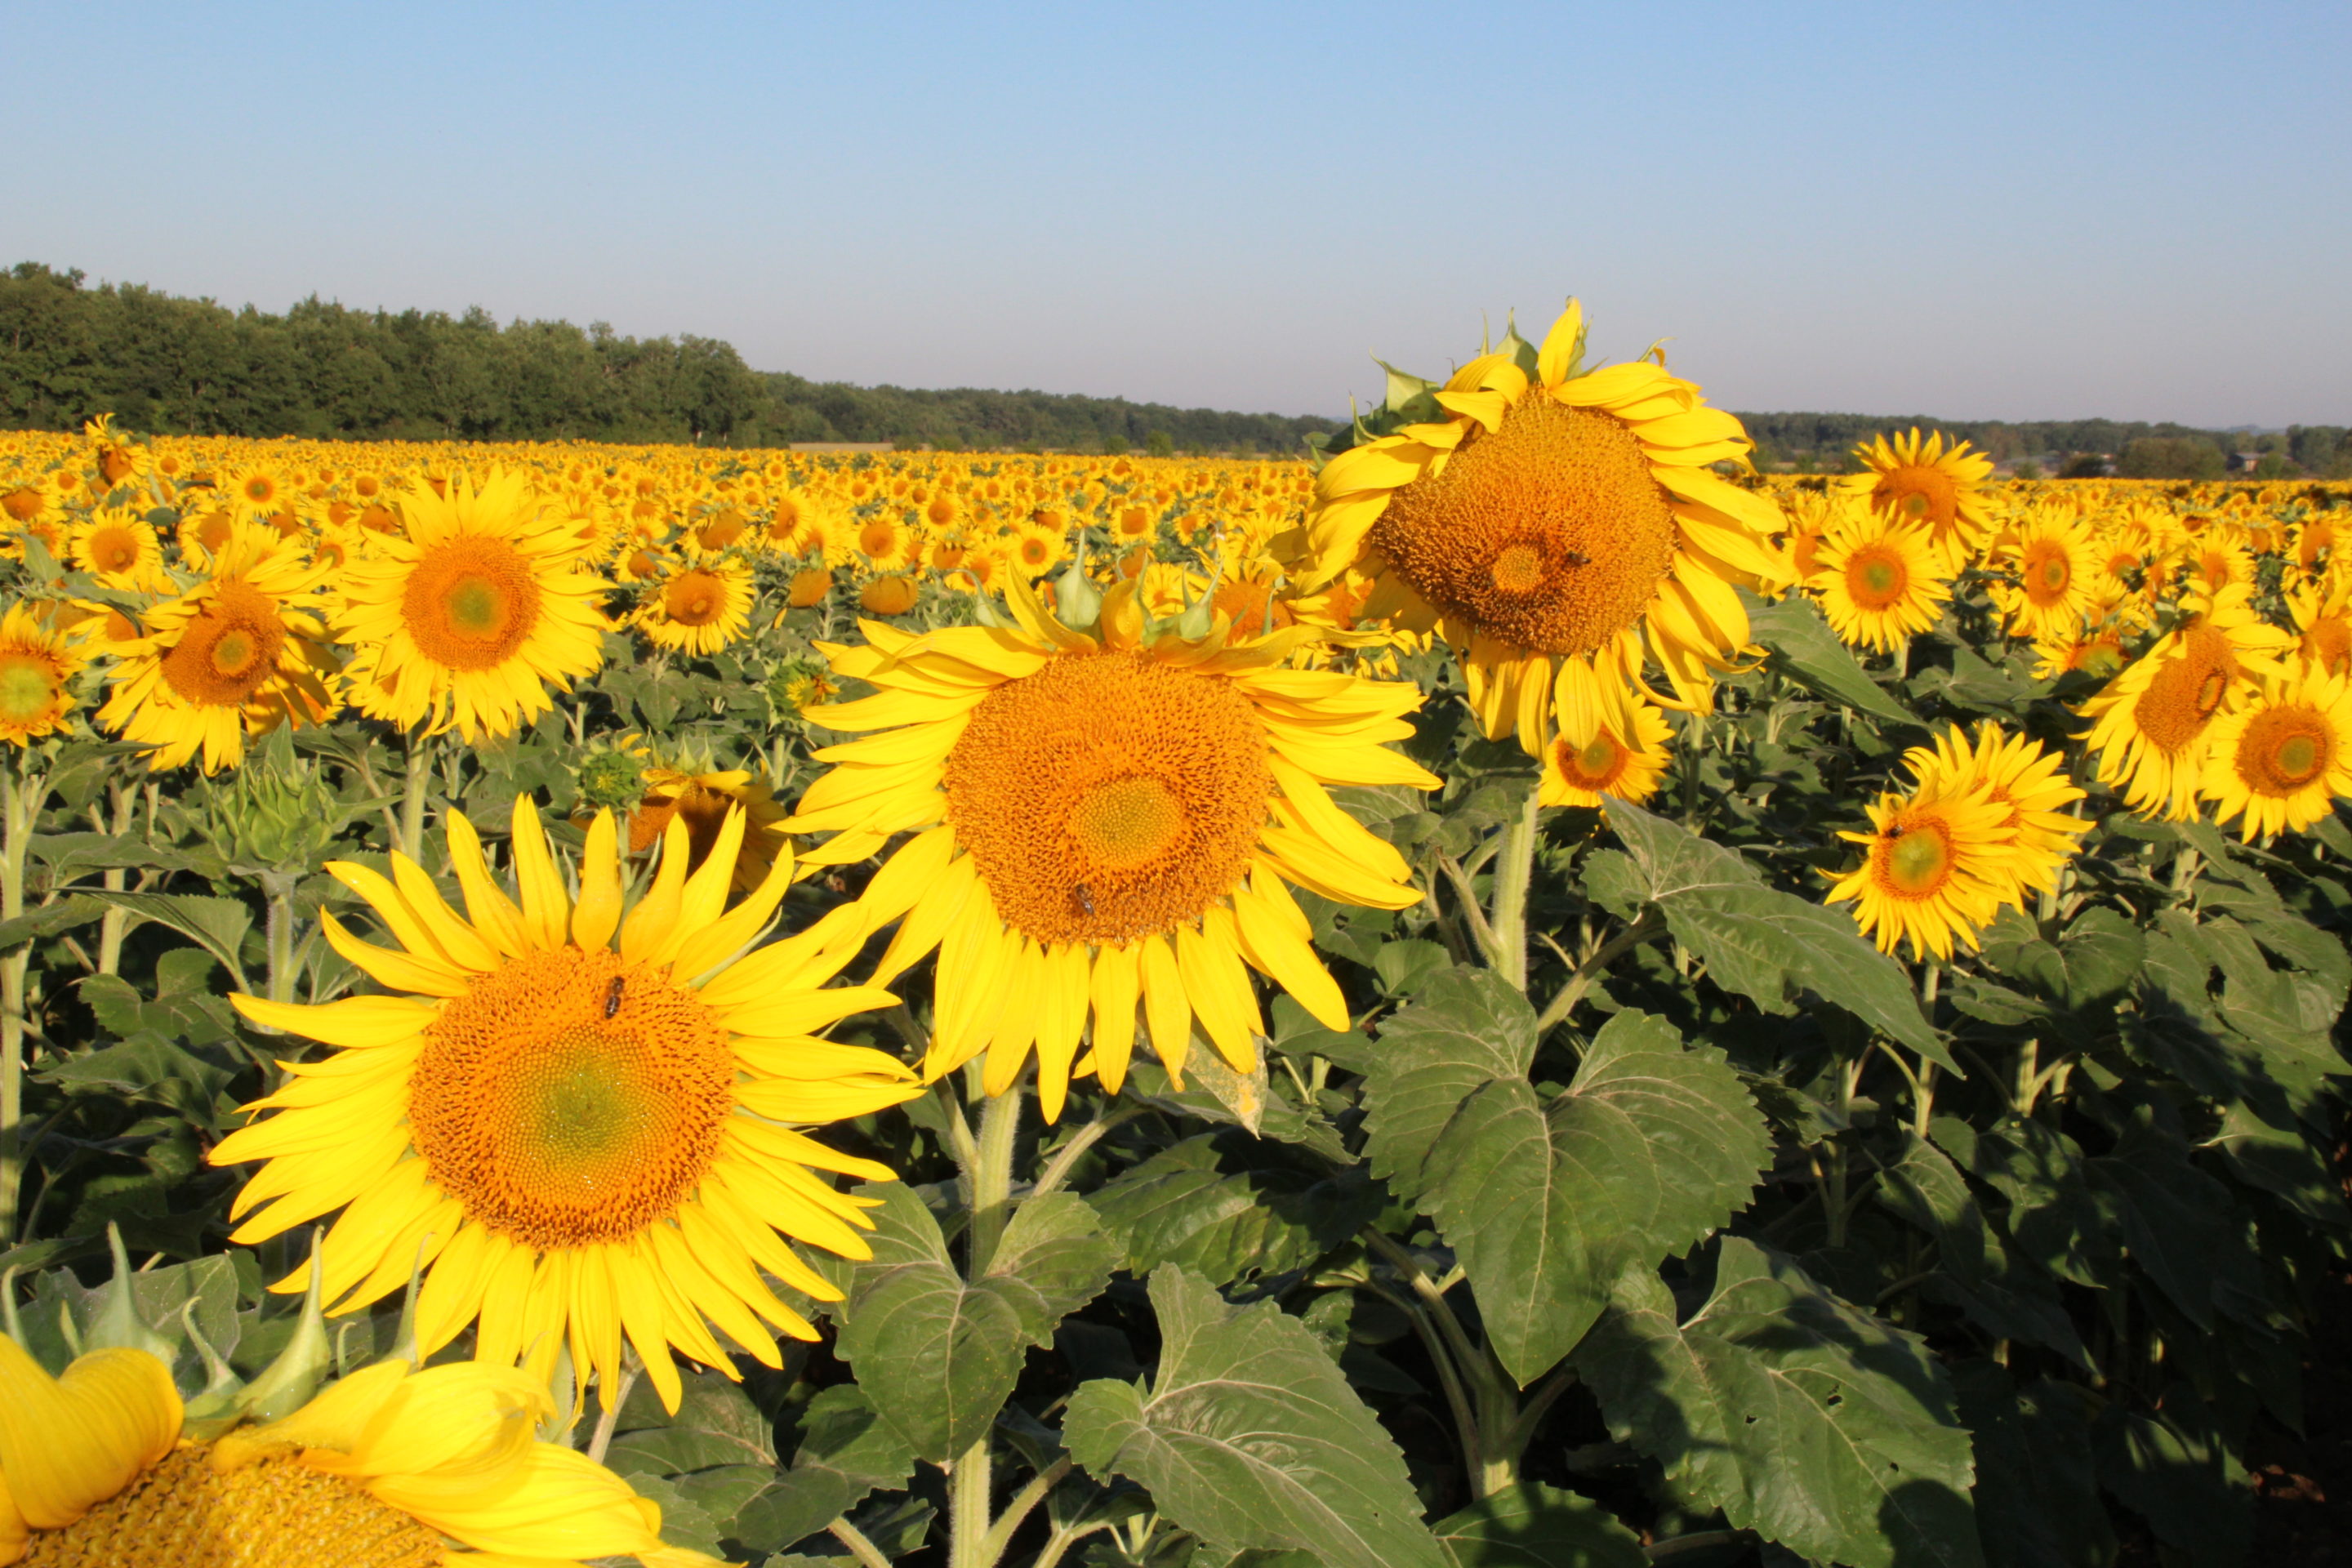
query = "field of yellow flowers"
{"x": 1513, "y": 992}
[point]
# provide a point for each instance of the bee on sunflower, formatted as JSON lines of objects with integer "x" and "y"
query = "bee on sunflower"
{"x": 1937, "y": 864}
{"x": 1106, "y": 816}
{"x": 2028, "y": 782}
{"x": 1535, "y": 512}
{"x": 577, "y": 1112}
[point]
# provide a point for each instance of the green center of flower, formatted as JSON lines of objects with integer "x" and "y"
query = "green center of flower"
{"x": 27, "y": 688}
{"x": 1919, "y": 862}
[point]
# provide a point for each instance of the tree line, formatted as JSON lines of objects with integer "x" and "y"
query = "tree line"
{"x": 160, "y": 362}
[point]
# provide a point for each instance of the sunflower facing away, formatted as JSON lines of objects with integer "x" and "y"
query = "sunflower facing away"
{"x": 1880, "y": 580}
{"x": 235, "y": 656}
{"x": 2016, "y": 775}
{"x": 2283, "y": 759}
{"x": 37, "y": 664}
{"x": 466, "y": 617}
{"x": 1935, "y": 867}
{"x": 2153, "y": 719}
{"x": 1103, "y": 820}
{"x": 1554, "y": 516}
{"x": 380, "y": 1470}
{"x": 582, "y": 1112}
{"x": 1919, "y": 480}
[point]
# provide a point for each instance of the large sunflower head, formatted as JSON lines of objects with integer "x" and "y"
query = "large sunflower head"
{"x": 37, "y": 664}
{"x": 382, "y": 1470}
{"x": 1105, "y": 819}
{"x": 1937, "y": 486}
{"x": 2155, "y": 719}
{"x": 235, "y": 657}
{"x": 580, "y": 1108}
{"x": 1933, "y": 870}
{"x": 465, "y": 616}
{"x": 1536, "y": 512}
{"x": 1880, "y": 580}
{"x": 2282, "y": 760}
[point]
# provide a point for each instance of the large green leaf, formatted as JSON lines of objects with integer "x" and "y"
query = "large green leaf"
{"x": 1534, "y": 1526}
{"x": 938, "y": 1355}
{"x": 1768, "y": 945}
{"x": 1183, "y": 1206}
{"x": 1800, "y": 645}
{"x": 1807, "y": 1420}
{"x": 1468, "y": 1028}
{"x": 2037, "y": 1494}
{"x": 1249, "y": 1437}
{"x": 846, "y": 1452}
{"x": 1652, "y": 1147}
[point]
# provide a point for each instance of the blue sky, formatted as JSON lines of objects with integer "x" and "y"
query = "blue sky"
{"x": 1980, "y": 211}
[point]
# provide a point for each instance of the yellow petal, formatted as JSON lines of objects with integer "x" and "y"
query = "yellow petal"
{"x": 598, "y": 913}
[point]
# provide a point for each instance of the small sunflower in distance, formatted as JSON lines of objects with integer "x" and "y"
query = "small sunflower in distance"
{"x": 37, "y": 664}
{"x": 1934, "y": 870}
{"x": 233, "y": 658}
{"x": 579, "y": 1116}
{"x": 1880, "y": 581}
{"x": 2153, "y": 719}
{"x": 2016, "y": 775}
{"x": 2280, "y": 762}
{"x": 381, "y": 1469}
{"x": 1551, "y": 513}
{"x": 696, "y": 606}
{"x": 1105, "y": 818}
{"x": 1921, "y": 480}
{"x": 465, "y": 616}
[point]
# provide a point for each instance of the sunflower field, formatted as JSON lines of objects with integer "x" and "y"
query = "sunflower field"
{"x": 1514, "y": 994}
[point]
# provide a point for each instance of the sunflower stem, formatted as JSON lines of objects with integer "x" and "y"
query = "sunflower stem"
{"x": 21, "y": 795}
{"x": 277, "y": 887}
{"x": 414, "y": 792}
{"x": 967, "y": 1487}
{"x": 1513, "y": 868}
{"x": 991, "y": 1177}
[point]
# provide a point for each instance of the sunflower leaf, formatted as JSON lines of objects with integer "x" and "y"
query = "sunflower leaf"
{"x": 1249, "y": 1437}
{"x": 1800, "y": 645}
{"x": 1535, "y": 1526}
{"x": 1807, "y": 1420}
{"x": 847, "y": 1452}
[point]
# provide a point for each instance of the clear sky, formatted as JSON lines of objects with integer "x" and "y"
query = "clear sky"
{"x": 1980, "y": 211}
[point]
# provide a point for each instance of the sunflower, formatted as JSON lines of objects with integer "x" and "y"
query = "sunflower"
{"x": 466, "y": 617}
{"x": 1880, "y": 580}
{"x": 703, "y": 800}
{"x": 2153, "y": 719}
{"x": 1934, "y": 870}
{"x": 1101, "y": 818}
{"x": 374, "y": 1472}
{"x": 2322, "y": 609}
{"x": 119, "y": 549}
{"x": 1553, "y": 515}
{"x": 235, "y": 656}
{"x": 581, "y": 1139}
{"x": 1610, "y": 741}
{"x": 887, "y": 543}
{"x": 2056, "y": 566}
{"x": 696, "y": 608}
{"x": 37, "y": 664}
{"x": 2016, "y": 775}
{"x": 1921, "y": 481}
{"x": 2284, "y": 758}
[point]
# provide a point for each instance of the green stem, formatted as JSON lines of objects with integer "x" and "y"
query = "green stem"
{"x": 990, "y": 1177}
{"x": 1572, "y": 990}
{"x": 1513, "y": 868}
{"x": 277, "y": 887}
{"x": 968, "y": 1485}
{"x": 416, "y": 792}
{"x": 21, "y": 795}
{"x": 860, "y": 1547}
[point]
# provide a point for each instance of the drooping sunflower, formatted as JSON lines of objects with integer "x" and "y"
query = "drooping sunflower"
{"x": 469, "y": 614}
{"x": 2282, "y": 760}
{"x": 2056, "y": 566}
{"x": 2016, "y": 775}
{"x": 374, "y": 1472}
{"x": 233, "y": 658}
{"x": 1933, "y": 870}
{"x": 37, "y": 664}
{"x": 1923, "y": 480}
{"x": 703, "y": 800}
{"x": 1610, "y": 741}
{"x": 2153, "y": 719}
{"x": 1554, "y": 513}
{"x": 696, "y": 607}
{"x": 582, "y": 1114}
{"x": 1880, "y": 579}
{"x": 1101, "y": 818}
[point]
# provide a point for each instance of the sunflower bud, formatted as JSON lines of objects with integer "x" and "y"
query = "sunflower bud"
{"x": 275, "y": 814}
{"x": 614, "y": 779}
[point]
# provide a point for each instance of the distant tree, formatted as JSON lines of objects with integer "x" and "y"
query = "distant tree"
{"x": 2171, "y": 458}
{"x": 1159, "y": 443}
{"x": 1114, "y": 443}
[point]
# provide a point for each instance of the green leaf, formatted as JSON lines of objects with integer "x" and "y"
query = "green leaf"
{"x": 2178, "y": 1476}
{"x": 1183, "y": 1206}
{"x": 147, "y": 1067}
{"x": 1534, "y": 1526}
{"x": 938, "y": 1356}
{"x": 1800, "y": 645}
{"x": 2175, "y": 1217}
{"x": 2037, "y": 1494}
{"x": 846, "y": 1453}
{"x": 1766, "y": 944}
{"x": 1807, "y": 1420}
{"x": 217, "y": 925}
{"x": 1249, "y": 1437}
{"x": 2057, "y": 1218}
{"x": 50, "y": 919}
{"x": 1467, "y": 1029}
{"x": 1652, "y": 1147}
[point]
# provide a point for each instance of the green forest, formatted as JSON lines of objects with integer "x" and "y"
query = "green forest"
{"x": 69, "y": 350}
